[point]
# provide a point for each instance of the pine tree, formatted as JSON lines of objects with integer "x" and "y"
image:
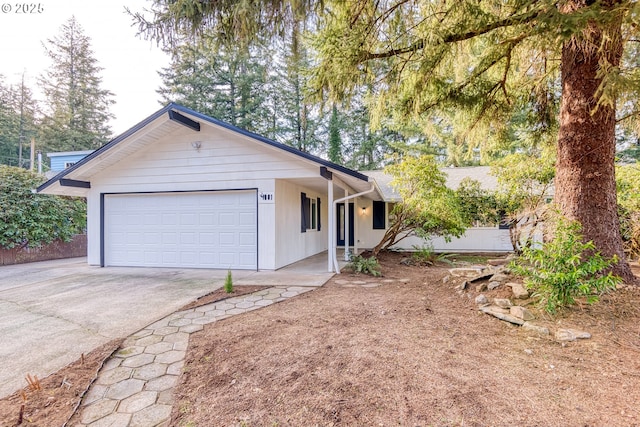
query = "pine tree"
{"x": 335, "y": 142}
{"x": 18, "y": 111}
{"x": 77, "y": 108}
{"x": 225, "y": 82}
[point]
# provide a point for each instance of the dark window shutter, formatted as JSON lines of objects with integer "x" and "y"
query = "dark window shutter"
{"x": 505, "y": 222}
{"x": 379, "y": 216}
{"x": 304, "y": 210}
{"x": 319, "y": 213}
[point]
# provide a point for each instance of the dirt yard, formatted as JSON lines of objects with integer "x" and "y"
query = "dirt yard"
{"x": 410, "y": 352}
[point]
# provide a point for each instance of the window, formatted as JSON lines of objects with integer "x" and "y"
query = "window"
{"x": 310, "y": 213}
{"x": 379, "y": 215}
{"x": 68, "y": 164}
{"x": 314, "y": 214}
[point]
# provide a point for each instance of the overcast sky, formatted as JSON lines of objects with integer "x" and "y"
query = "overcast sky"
{"x": 130, "y": 63}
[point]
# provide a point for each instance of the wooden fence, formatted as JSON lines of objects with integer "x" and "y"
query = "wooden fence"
{"x": 77, "y": 247}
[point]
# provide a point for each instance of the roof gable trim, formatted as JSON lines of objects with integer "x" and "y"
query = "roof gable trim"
{"x": 184, "y": 120}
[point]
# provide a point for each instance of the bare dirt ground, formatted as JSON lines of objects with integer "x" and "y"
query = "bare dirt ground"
{"x": 409, "y": 354}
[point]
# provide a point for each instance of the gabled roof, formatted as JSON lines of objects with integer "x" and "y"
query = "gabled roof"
{"x": 76, "y": 179}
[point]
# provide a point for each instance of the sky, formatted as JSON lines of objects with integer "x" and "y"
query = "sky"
{"x": 130, "y": 63}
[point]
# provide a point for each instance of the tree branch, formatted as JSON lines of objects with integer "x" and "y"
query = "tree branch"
{"x": 456, "y": 37}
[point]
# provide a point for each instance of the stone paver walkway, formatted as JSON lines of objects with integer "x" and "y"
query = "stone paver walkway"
{"x": 135, "y": 387}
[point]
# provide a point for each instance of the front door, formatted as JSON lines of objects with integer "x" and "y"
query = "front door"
{"x": 340, "y": 215}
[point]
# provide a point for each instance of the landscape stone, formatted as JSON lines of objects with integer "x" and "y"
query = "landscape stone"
{"x": 446, "y": 278}
{"x": 518, "y": 290}
{"x": 521, "y": 313}
{"x": 497, "y": 261}
{"x": 502, "y": 302}
{"x": 499, "y": 277}
{"x": 536, "y": 328}
{"x": 491, "y": 310}
{"x": 482, "y": 299}
{"x": 481, "y": 287}
{"x": 466, "y": 271}
{"x": 493, "y": 284}
{"x": 571, "y": 335}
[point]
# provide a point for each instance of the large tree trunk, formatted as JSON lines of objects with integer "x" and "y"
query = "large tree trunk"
{"x": 585, "y": 173}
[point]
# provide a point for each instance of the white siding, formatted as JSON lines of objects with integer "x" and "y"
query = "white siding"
{"x": 485, "y": 239}
{"x": 224, "y": 161}
{"x": 291, "y": 244}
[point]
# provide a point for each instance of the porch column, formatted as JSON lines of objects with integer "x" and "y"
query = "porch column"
{"x": 331, "y": 225}
{"x": 346, "y": 224}
{"x": 356, "y": 220}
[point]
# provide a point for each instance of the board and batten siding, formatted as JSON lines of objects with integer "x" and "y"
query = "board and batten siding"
{"x": 224, "y": 161}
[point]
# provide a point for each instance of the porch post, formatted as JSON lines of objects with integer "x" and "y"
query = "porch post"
{"x": 356, "y": 216}
{"x": 346, "y": 224}
{"x": 330, "y": 226}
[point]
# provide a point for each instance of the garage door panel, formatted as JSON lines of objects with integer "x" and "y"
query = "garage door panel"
{"x": 227, "y": 239}
{"x": 219, "y": 230}
{"x": 246, "y": 239}
{"x": 227, "y": 219}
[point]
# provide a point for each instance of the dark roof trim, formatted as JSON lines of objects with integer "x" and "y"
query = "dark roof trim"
{"x": 172, "y": 107}
{"x": 107, "y": 146}
{"x": 184, "y": 120}
{"x": 271, "y": 142}
{"x": 74, "y": 183}
{"x": 326, "y": 173}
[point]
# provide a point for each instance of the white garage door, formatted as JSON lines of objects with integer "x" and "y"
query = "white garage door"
{"x": 191, "y": 230}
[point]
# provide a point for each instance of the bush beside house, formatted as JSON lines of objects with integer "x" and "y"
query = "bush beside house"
{"x": 29, "y": 221}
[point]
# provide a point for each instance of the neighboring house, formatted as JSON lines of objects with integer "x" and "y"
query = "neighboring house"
{"x": 182, "y": 189}
{"x": 63, "y": 160}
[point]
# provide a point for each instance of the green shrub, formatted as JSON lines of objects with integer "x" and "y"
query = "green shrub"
{"x": 565, "y": 268}
{"x": 360, "y": 264}
{"x": 28, "y": 219}
{"x": 228, "y": 283}
{"x": 425, "y": 255}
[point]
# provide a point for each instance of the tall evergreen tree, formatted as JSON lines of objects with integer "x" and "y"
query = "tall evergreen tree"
{"x": 335, "y": 142}
{"x": 18, "y": 111}
{"x": 77, "y": 107}
{"x": 226, "y": 82}
{"x": 299, "y": 118}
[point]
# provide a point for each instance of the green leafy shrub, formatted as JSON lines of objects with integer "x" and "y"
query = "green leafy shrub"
{"x": 360, "y": 264}
{"x": 565, "y": 268}
{"x": 228, "y": 283}
{"x": 425, "y": 255}
{"x": 35, "y": 219}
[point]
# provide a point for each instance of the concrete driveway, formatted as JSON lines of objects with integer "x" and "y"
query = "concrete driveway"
{"x": 51, "y": 312}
